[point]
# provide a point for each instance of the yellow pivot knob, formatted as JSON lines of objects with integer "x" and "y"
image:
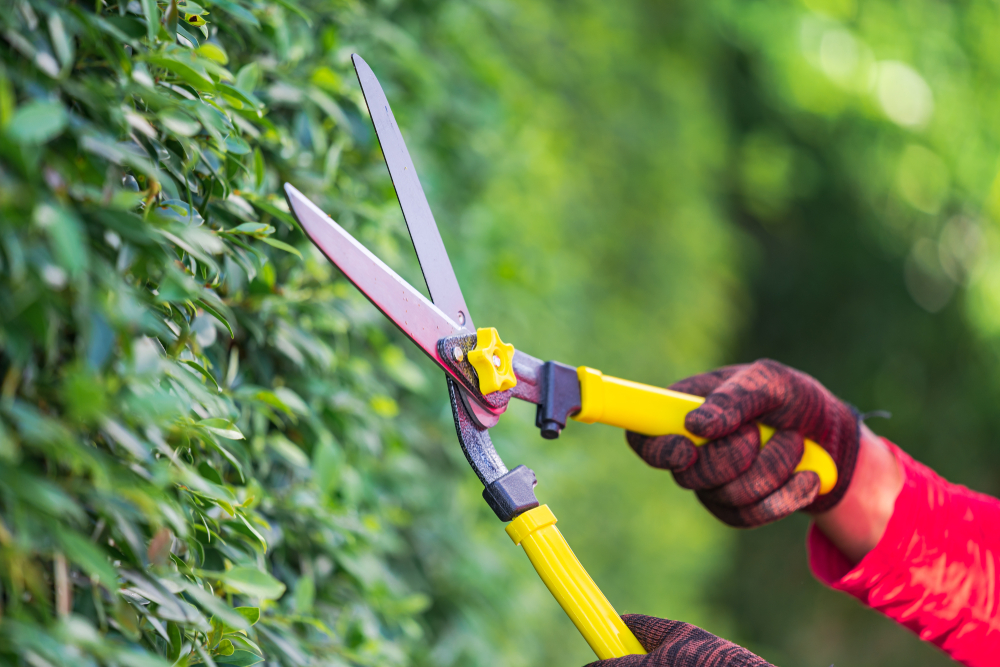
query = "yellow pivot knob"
{"x": 493, "y": 360}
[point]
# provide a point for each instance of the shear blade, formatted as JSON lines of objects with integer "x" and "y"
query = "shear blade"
{"x": 418, "y": 318}
{"x": 410, "y": 310}
{"x": 434, "y": 262}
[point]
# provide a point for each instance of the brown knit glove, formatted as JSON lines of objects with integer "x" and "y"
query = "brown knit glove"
{"x": 676, "y": 644}
{"x": 740, "y": 483}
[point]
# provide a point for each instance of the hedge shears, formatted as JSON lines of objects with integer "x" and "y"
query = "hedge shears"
{"x": 484, "y": 374}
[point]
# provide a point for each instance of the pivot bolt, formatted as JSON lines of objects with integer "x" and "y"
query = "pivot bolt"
{"x": 494, "y": 362}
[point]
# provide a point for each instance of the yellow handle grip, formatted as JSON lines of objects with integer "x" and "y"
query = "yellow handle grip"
{"x": 654, "y": 411}
{"x": 571, "y": 586}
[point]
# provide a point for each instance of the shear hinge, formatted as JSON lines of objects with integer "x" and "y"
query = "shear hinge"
{"x": 454, "y": 353}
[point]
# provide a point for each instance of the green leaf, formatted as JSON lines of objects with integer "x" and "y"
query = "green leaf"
{"x": 176, "y": 286}
{"x": 217, "y": 630}
{"x": 190, "y": 7}
{"x": 259, "y": 171}
{"x": 198, "y": 484}
{"x": 169, "y": 20}
{"x": 62, "y": 43}
{"x": 66, "y": 236}
{"x": 241, "y": 640}
{"x": 270, "y": 208}
{"x": 214, "y": 52}
{"x": 176, "y": 640}
{"x": 281, "y": 245}
{"x": 250, "y": 581}
{"x": 304, "y": 594}
{"x": 217, "y": 315}
{"x": 252, "y": 228}
{"x": 8, "y": 99}
{"x": 179, "y": 123}
{"x": 290, "y": 400}
{"x": 125, "y": 438}
{"x": 209, "y": 473}
{"x": 237, "y": 145}
{"x": 288, "y": 449}
{"x": 240, "y": 658}
{"x": 248, "y": 78}
{"x": 237, "y": 12}
{"x": 326, "y": 465}
{"x": 186, "y": 68}
{"x": 152, "y": 13}
{"x": 9, "y": 449}
{"x": 226, "y": 505}
{"x": 294, "y": 7}
{"x": 202, "y": 371}
{"x": 37, "y": 122}
{"x": 229, "y": 456}
{"x": 253, "y": 530}
{"x": 221, "y": 427}
{"x": 246, "y": 98}
{"x": 88, "y": 556}
{"x": 252, "y": 614}
{"x": 39, "y": 493}
{"x": 125, "y": 29}
{"x": 225, "y": 647}
{"x": 138, "y": 658}
{"x": 182, "y": 31}
{"x": 182, "y": 212}
{"x": 194, "y": 20}
{"x": 217, "y": 607}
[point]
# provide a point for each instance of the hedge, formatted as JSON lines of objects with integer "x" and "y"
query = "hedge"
{"x": 202, "y": 460}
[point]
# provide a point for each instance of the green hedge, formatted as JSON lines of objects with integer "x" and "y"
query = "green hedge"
{"x": 201, "y": 459}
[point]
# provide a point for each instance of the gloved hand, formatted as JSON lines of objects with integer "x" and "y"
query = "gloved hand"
{"x": 676, "y": 644}
{"x": 740, "y": 483}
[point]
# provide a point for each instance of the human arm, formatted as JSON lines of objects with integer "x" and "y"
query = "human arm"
{"x": 857, "y": 523}
{"x": 935, "y": 568}
{"x": 899, "y": 538}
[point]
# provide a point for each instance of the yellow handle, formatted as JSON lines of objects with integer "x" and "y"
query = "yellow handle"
{"x": 654, "y": 411}
{"x": 571, "y": 586}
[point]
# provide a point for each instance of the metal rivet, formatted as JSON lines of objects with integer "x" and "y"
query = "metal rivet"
{"x": 496, "y": 361}
{"x": 461, "y": 318}
{"x": 457, "y": 354}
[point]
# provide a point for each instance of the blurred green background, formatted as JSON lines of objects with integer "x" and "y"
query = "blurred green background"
{"x": 654, "y": 189}
{"x": 649, "y": 188}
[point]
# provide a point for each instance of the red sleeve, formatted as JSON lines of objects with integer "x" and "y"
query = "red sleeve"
{"x": 935, "y": 571}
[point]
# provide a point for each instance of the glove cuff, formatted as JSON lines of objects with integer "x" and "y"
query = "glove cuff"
{"x": 845, "y": 456}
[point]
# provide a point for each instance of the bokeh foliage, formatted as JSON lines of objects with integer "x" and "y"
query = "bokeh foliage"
{"x": 811, "y": 181}
{"x": 199, "y": 415}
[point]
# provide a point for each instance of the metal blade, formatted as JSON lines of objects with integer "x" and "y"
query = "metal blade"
{"x": 434, "y": 262}
{"x": 408, "y": 309}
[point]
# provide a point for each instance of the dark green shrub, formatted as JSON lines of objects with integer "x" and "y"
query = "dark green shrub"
{"x": 192, "y": 434}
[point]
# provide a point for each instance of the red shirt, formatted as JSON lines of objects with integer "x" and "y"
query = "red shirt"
{"x": 936, "y": 569}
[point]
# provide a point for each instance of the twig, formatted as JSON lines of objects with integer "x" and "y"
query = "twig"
{"x": 64, "y": 593}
